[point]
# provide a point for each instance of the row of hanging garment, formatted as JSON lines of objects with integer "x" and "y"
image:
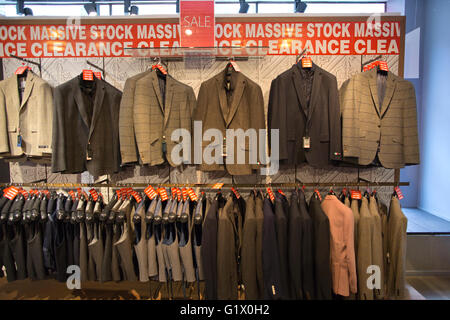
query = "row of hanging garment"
{"x": 263, "y": 247}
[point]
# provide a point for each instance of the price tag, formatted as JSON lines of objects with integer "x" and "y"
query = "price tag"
{"x": 306, "y": 142}
{"x": 281, "y": 192}
{"x": 150, "y": 192}
{"x": 184, "y": 194}
{"x": 19, "y": 140}
{"x": 163, "y": 194}
{"x": 318, "y": 194}
{"x": 98, "y": 75}
{"x": 356, "y": 194}
{"x": 173, "y": 191}
{"x": 136, "y": 196}
{"x": 399, "y": 193}
{"x": 218, "y": 186}
{"x": 306, "y": 62}
{"x": 94, "y": 194}
{"x": 11, "y": 192}
{"x": 192, "y": 194}
{"x": 88, "y": 75}
{"x": 72, "y": 194}
{"x": 236, "y": 193}
{"x": 271, "y": 195}
{"x": 179, "y": 196}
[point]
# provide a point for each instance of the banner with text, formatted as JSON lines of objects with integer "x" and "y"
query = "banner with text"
{"x": 137, "y": 39}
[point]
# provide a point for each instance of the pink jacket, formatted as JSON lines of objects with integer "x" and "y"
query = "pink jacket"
{"x": 343, "y": 265}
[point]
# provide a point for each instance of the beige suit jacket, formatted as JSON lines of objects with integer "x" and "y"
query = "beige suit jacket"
{"x": 31, "y": 119}
{"x": 368, "y": 123}
{"x": 377, "y": 245}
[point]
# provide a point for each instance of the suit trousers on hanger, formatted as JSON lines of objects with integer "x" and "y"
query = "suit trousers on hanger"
{"x": 84, "y": 255}
{"x": 107, "y": 253}
{"x": 115, "y": 268}
{"x": 35, "y": 259}
{"x": 125, "y": 255}
{"x": 151, "y": 256}
{"x": 70, "y": 241}
{"x": 8, "y": 260}
{"x": 76, "y": 244}
{"x": 18, "y": 249}
{"x": 209, "y": 251}
{"x": 60, "y": 252}
{"x": 95, "y": 248}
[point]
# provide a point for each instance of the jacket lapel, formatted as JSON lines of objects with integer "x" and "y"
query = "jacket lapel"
{"x": 79, "y": 100}
{"x": 317, "y": 80}
{"x": 157, "y": 89}
{"x": 237, "y": 95}
{"x": 13, "y": 87}
{"x": 98, "y": 103}
{"x": 374, "y": 89}
{"x": 390, "y": 88}
{"x": 28, "y": 88}
{"x": 296, "y": 77}
{"x": 169, "y": 97}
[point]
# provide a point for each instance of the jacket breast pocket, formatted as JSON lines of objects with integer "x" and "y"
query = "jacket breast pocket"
{"x": 397, "y": 141}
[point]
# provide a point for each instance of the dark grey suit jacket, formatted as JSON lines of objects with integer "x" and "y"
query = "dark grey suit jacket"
{"x": 321, "y": 226}
{"x": 320, "y": 121}
{"x": 281, "y": 224}
{"x": 78, "y": 130}
{"x": 248, "y": 256}
{"x": 295, "y": 246}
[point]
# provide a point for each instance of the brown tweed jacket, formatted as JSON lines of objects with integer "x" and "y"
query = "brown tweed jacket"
{"x": 153, "y": 122}
{"x": 246, "y": 111}
{"x": 390, "y": 124}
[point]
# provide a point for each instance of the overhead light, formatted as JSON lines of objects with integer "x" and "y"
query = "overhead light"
{"x": 244, "y": 6}
{"x": 128, "y": 8}
{"x": 300, "y": 6}
{"x": 91, "y": 8}
{"x": 20, "y": 8}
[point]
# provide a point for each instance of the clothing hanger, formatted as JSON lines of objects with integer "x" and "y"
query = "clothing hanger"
{"x": 160, "y": 70}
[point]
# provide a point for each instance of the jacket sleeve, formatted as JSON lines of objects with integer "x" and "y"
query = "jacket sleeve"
{"x": 350, "y": 120}
{"x": 276, "y": 119}
{"x": 258, "y": 120}
{"x": 4, "y": 138}
{"x": 46, "y": 119}
{"x": 335, "y": 122}
{"x": 410, "y": 135}
{"x": 59, "y": 163}
{"x": 128, "y": 146}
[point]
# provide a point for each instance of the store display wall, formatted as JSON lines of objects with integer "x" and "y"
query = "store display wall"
{"x": 193, "y": 72}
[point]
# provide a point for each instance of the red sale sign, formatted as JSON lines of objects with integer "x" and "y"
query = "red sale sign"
{"x": 197, "y": 23}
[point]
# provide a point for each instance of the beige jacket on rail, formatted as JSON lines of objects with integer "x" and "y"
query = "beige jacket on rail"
{"x": 31, "y": 118}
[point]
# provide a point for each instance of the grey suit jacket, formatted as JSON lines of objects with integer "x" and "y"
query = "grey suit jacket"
{"x": 368, "y": 123}
{"x": 153, "y": 121}
{"x": 79, "y": 132}
{"x": 397, "y": 225}
{"x": 246, "y": 111}
{"x": 31, "y": 118}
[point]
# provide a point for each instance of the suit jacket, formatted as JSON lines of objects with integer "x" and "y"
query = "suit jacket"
{"x": 227, "y": 252}
{"x": 248, "y": 257}
{"x": 246, "y": 111}
{"x": 128, "y": 147}
{"x": 259, "y": 215}
{"x": 321, "y": 226}
{"x": 307, "y": 245}
{"x": 369, "y": 124}
{"x": 397, "y": 225}
{"x": 343, "y": 264}
{"x": 79, "y": 132}
{"x": 377, "y": 245}
{"x": 151, "y": 119}
{"x": 31, "y": 118}
{"x": 364, "y": 256}
{"x": 209, "y": 251}
{"x": 270, "y": 255}
{"x": 281, "y": 225}
{"x": 320, "y": 120}
{"x": 295, "y": 254}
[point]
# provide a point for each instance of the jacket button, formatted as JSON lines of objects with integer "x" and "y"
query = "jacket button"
{"x": 379, "y": 126}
